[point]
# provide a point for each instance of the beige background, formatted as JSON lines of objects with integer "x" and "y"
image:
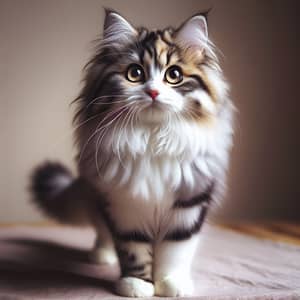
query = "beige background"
{"x": 44, "y": 45}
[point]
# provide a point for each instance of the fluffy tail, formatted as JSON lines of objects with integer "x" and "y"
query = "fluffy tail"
{"x": 61, "y": 196}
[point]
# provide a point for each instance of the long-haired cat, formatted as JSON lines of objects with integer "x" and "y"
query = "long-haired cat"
{"x": 154, "y": 131}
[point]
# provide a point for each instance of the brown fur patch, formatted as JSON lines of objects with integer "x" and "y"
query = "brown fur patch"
{"x": 197, "y": 114}
{"x": 192, "y": 62}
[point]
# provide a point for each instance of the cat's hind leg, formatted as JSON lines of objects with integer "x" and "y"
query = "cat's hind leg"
{"x": 103, "y": 251}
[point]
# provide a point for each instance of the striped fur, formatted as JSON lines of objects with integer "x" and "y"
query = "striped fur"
{"x": 159, "y": 161}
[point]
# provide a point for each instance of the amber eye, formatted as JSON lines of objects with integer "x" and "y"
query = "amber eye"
{"x": 135, "y": 73}
{"x": 174, "y": 75}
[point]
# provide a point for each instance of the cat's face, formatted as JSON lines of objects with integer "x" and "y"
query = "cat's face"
{"x": 163, "y": 79}
{"x": 154, "y": 75}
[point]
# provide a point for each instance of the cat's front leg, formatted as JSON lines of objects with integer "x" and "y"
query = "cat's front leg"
{"x": 172, "y": 266}
{"x": 135, "y": 256}
{"x": 175, "y": 252}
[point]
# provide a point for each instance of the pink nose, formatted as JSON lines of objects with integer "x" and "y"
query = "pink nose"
{"x": 152, "y": 93}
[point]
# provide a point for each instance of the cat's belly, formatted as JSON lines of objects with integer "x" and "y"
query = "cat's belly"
{"x": 153, "y": 217}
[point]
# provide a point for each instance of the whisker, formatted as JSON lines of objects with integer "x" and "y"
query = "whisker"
{"x": 101, "y": 136}
{"x": 114, "y": 102}
{"x": 98, "y": 129}
{"x": 105, "y": 97}
{"x": 124, "y": 127}
{"x": 133, "y": 119}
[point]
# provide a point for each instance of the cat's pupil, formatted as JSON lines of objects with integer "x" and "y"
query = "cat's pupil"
{"x": 136, "y": 73}
{"x": 174, "y": 73}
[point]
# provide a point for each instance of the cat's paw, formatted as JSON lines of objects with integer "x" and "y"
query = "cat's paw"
{"x": 103, "y": 256}
{"x": 134, "y": 287}
{"x": 174, "y": 286}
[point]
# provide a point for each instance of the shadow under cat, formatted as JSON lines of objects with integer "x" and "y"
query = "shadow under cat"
{"x": 35, "y": 267}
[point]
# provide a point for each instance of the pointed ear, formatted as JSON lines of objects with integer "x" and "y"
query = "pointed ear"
{"x": 117, "y": 28}
{"x": 193, "y": 33}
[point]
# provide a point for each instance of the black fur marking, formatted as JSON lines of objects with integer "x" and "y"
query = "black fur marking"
{"x": 186, "y": 233}
{"x": 166, "y": 41}
{"x": 203, "y": 198}
{"x": 149, "y": 50}
{"x": 148, "y": 43}
{"x": 126, "y": 256}
{"x": 131, "y": 257}
{"x": 187, "y": 87}
{"x": 141, "y": 53}
{"x": 171, "y": 52}
{"x": 201, "y": 83}
{"x": 145, "y": 277}
{"x": 142, "y": 270}
{"x": 134, "y": 269}
{"x": 150, "y": 38}
{"x": 134, "y": 236}
{"x": 156, "y": 62}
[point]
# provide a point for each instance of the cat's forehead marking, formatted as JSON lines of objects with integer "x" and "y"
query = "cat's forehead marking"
{"x": 158, "y": 48}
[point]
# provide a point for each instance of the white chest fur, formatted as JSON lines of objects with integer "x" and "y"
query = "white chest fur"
{"x": 151, "y": 162}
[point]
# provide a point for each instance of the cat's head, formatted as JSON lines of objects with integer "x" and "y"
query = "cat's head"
{"x": 156, "y": 75}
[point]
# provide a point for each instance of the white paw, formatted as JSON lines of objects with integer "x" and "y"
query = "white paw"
{"x": 174, "y": 286}
{"x": 103, "y": 256}
{"x": 134, "y": 287}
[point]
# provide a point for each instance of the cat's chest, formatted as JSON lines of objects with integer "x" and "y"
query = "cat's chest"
{"x": 150, "y": 177}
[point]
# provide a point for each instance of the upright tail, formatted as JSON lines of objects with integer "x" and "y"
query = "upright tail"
{"x": 61, "y": 196}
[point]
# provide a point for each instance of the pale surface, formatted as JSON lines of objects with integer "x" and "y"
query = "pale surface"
{"x": 52, "y": 263}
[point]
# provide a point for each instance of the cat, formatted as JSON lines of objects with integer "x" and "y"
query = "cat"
{"x": 154, "y": 130}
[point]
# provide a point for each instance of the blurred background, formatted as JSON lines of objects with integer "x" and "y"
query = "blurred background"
{"x": 45, "y": 44}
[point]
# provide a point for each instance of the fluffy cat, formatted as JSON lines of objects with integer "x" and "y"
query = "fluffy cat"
{"x": 154, "y": 132}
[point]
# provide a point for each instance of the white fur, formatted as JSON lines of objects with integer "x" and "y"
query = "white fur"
{"x": 134, "y": 287}
{"x": 154, "y": 157}
{"x": 174, "y": 286}
{"x": 172, "y": 267}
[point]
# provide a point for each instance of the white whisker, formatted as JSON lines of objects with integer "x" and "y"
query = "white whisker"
{"x": 99, "y": 129}
{"x": 105, "y": 127}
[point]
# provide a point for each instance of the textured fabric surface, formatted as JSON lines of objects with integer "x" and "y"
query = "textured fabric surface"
{"x": 52, "y": 263}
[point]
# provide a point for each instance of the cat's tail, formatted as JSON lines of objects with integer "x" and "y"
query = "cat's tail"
{"x": 62, "y": 196}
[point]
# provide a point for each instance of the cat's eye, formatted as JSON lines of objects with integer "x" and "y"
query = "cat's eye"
{"x": 135, "y": 73}
{"x": 174, "y": 75}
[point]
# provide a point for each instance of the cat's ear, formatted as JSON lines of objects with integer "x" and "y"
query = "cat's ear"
{"x": 116, "y": 28}
{"x": 193, "y": 33}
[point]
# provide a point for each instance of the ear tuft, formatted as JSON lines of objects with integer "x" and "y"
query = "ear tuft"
{"x": 193, "y": 33}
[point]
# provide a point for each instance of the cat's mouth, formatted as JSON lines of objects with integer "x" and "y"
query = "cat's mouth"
{"x": 156, "y": 105}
